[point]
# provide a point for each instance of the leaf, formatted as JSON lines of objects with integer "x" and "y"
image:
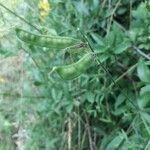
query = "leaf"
{"x": 76, "y": 103}
{"x": 114, "y": 144}
{"x": 122, "y": 47}
{"x": 145, "y": 90}
{"x": 69, "y": 108}
{"x": 144, "y": 102}
{"x": 54, "y": 95}
{"x": 146, "y": 117}
{"x": 82, "y": 8}
{"x": 119, "y": 111}
{"x": 90, "y": 97}
{"x": 94, "y": 7}
{"x": 98, "y": 39}
{"x": 133, "y": 34}
{"x": 103, "y": 57}
{"x": 118, "y": 32}
{"x": 38, "y": 83}
{"x": 120, "y": 99}
{"x": 141, "y": 11}
{"x": 110, "y": 39}
{"x": 143, "y": 71}
{"x": 95, "y": 3}
{"x": 107, "y": 139}
{"x": 121, "y": 10}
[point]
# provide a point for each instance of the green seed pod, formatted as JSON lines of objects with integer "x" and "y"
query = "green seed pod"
{"x": 69, "y": 72}
{"x": 58, "y": 42}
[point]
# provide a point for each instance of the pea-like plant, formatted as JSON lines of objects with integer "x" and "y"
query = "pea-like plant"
{"x": 84, "y": 83}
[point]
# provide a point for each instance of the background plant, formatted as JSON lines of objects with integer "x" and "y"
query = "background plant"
{"x": 90, "y": 112}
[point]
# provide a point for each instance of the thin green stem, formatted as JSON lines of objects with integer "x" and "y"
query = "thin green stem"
{"x": 124, "y": 74}
{"x": 21, "y": 18}
{"x": 22, "y": 96}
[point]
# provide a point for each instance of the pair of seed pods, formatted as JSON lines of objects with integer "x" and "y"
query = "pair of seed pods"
{"x": 66, "y": 72}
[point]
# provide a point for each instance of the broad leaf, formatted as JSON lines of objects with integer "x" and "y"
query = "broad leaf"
{"x": 143, "y": 71}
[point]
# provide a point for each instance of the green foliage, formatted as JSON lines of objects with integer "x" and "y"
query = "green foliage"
{"x": 140, "y": 27}
{"x": 105, "y": 106}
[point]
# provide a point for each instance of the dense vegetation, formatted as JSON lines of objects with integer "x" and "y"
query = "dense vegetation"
{"x": 99, "y": 102}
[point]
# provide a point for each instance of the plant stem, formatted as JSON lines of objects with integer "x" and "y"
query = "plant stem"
{"x": 141, "y": 53}
{"x": 111, "y": 18}
{"x": 21, "y": 18}
{"x": 124, "y": 74}
{"x": 69, "y": 133}
{"x": 89, "y": 132}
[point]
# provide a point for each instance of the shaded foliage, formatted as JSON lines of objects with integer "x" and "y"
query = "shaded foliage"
{"x": 100, "y": 109}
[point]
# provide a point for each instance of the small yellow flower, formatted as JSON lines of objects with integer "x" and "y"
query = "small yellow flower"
{"x": 44, "y": 5}
{"x": 43, "y": 14}
{"x": 44, "y": 9}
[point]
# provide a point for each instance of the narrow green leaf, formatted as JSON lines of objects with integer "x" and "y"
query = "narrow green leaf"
{"x": 114, "y": 144}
